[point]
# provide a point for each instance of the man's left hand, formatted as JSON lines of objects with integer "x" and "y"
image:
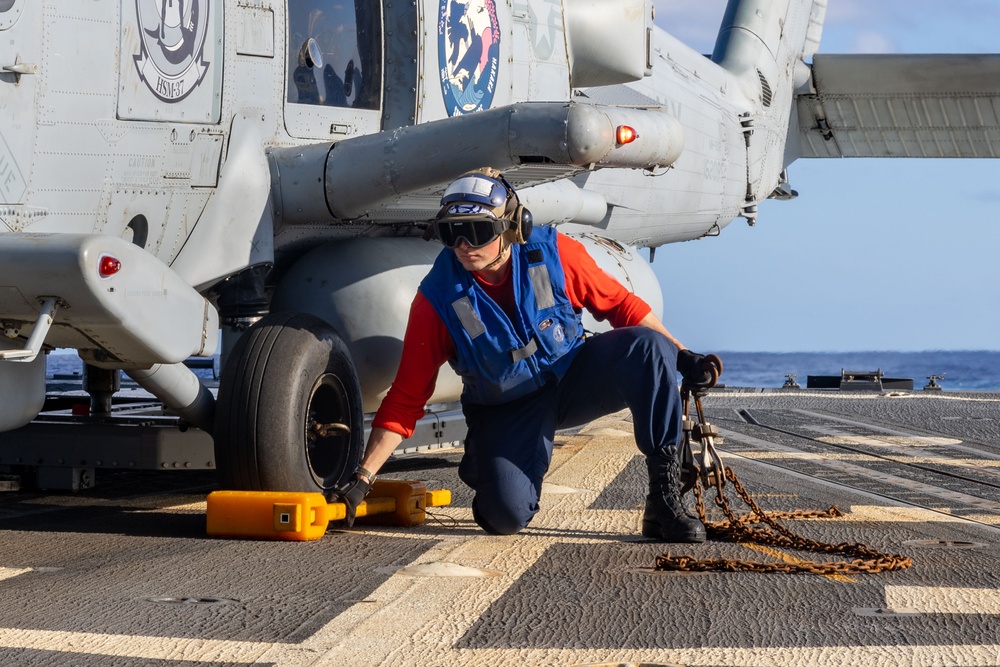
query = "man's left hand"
{"x": 699, "y": 371}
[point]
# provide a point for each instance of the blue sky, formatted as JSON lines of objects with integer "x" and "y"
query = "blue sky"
{"x": 874, "y": 254}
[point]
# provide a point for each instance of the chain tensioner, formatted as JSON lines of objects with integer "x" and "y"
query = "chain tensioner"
{"x": 706, "y": 470}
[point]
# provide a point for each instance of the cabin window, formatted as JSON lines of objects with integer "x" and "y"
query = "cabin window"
{"x": 334, "y": 53}
{"x": 5, "y": 5}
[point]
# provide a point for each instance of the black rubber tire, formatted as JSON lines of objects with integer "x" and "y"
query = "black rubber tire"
{"x": 286, "y": 371}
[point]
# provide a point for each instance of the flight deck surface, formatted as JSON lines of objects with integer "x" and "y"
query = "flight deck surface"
{"x": 124, "y": 574}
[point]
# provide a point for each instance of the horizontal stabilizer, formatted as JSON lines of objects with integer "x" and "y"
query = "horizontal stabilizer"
{"x": 902, "y": 106}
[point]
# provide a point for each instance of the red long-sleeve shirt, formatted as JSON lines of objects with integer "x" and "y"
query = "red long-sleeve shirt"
{"x": 427, "y": 344}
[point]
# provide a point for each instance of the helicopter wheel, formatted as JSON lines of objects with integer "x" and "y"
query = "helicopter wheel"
{"x": 289, "y": 414}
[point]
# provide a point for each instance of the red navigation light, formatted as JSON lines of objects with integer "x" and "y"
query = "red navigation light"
{"x": 625, "y": 135}
{"x": 108, "y": 266}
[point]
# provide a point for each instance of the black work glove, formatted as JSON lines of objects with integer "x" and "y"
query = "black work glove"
{"x": 697, "y": 373}
{"x": 350, "y": 493}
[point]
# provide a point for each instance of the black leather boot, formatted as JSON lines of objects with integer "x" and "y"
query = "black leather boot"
{"x": 665, "y": 517}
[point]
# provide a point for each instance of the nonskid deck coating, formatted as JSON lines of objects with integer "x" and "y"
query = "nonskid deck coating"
{"x": 115, "y": 576}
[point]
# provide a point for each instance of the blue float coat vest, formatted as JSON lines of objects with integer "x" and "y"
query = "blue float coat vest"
{"x": 500, "y": 360}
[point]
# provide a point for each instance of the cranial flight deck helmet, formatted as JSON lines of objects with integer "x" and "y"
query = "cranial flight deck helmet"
{"x": 478, "y": 207}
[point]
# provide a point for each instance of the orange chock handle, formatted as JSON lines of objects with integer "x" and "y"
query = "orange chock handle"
{"x": 371, "y": 506}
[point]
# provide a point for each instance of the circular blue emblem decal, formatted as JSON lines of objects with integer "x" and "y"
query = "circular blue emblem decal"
{"x": 468, "y": 54}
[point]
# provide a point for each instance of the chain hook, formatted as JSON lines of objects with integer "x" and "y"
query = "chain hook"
{"x": 708, "y": 464}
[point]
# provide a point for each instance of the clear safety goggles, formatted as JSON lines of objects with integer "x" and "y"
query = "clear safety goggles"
{"x": 477, "y": 231}
{"x": 476, "y": 188}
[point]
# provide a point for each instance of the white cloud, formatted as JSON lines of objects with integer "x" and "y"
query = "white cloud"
{"x": 860, "y": 12}
{"x": 870, "y": 41}
{"x": 694, "y": 24}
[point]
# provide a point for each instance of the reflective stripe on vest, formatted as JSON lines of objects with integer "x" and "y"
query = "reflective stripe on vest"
{"x": 469, "y": 317}
{"x": 542, "y": 286}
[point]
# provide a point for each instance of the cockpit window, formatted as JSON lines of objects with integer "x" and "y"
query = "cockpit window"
{"x": 5, "y": 5}
{"x": 334, "y": 53}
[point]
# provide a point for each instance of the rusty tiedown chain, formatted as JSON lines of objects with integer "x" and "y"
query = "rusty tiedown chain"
{"x": 711, "y": 472}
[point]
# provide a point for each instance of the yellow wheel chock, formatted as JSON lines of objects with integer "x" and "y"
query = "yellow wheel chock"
{"x": 300, "y": 516}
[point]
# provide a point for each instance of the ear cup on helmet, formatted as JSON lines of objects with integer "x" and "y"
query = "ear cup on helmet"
{"x": 526, "y": 222}
{"x": 521, "y": 224}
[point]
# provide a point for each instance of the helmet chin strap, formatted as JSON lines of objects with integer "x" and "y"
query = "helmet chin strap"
{"x": 500, "y": 256}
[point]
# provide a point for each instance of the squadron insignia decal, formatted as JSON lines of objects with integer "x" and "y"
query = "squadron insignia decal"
{"x": 171, "y": 61}
{"x": 468, "y": 54}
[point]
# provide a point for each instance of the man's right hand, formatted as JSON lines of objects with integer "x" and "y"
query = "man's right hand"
{"x": 351, "y": 494}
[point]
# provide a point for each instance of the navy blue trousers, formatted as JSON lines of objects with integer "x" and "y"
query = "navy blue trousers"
{"x": 508, "y": 447}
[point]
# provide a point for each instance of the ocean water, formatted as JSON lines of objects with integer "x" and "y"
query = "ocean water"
{"x": 65, "y": 364}
{"x": 962, "y": 371}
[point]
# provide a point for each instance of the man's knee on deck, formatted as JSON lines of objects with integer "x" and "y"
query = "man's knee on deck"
{"x": 498, "y": 518}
